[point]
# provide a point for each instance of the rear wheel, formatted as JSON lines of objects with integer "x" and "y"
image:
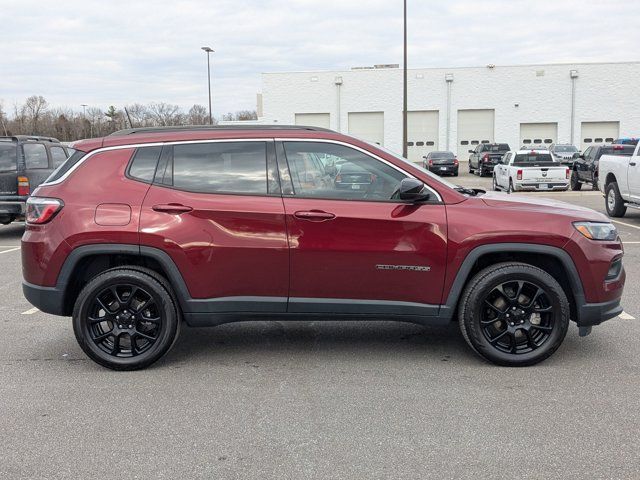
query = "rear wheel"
{"x": 495, "y": 184}
{"x": 574, "y": 182}
{"x": 614, "y": 202}
{"x": 470, "y": 169}
{"x": 126, "y": 319}
{"x": 595, "y": 183}
{"x": 514, "y": 314}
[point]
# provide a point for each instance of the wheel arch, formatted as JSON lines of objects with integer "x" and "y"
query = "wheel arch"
{"x": 85, "y": 262}
{"x": 610, "y": 179}
{"x": 551, "y": 259}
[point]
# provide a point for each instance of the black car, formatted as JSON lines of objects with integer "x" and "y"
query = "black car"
{"x": 353, "y": 177}
{"x": 564, "y": 153}
{"x": 485, "y": 157}
{"x": 441, "y": 163}
{"x": 585, "y": 167}
{"x": 25, "y": 162}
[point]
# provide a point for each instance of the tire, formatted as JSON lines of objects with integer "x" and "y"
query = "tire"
{"x": 574, "y": 183}
{"x": 112, "y": 307}
{"x": 510, "y": 189}
{"x": 595, "y": 183}
{"x": 470, "y": 169}
{"x": 534, "y": 330}
{"x": 495, "y": 184}
{"x": 613, "y": 200}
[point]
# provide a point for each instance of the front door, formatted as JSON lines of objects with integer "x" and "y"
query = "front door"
{"x": 633, "y": 176}
{"x": 216, "y": 209}
{"x": 354, "y": 248}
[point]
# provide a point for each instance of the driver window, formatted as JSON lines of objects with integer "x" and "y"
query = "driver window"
{"x": 331, "y": 171}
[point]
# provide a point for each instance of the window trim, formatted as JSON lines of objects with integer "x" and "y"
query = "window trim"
{"x": 281, "y": 141}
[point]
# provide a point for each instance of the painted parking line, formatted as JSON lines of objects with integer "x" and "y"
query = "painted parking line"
{"x": 31, "y": 311}
{"x": 625, "y": 224}
{"x": 10, "y": 250}
{"x": 626, "y": 316}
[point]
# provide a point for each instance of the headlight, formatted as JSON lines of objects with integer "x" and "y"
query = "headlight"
{"x": 596, "y": 230}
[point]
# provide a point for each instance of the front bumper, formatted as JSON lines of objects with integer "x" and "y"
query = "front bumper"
{"x": 590, "y": 314}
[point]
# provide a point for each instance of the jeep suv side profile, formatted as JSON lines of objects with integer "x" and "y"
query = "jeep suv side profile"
{"x": 219, "y": 224}
{"x": 25, "y": 161}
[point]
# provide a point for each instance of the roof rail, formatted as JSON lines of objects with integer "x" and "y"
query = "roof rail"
{"x": 187, "y": 128}
{"x": 36, "y": 138}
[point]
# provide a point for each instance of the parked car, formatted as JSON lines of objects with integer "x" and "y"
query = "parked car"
{"x": 563, "y": 153}
{"x": 626, "y": 141}
{"x": 534, "y": 146}
{"x": 585, "y": 167}
{"x": 620, "y": 181}
{"x": 530, "y": 170}
{"x": 485, "y": 157}
{"x": 219, "y": 224}
{"x": 25, "y": 161}
{"x": 441, "y": 163}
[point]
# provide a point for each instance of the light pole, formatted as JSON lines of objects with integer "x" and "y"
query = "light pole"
{"x": 84, "y": 118}
{"x": 209, "y": 50}
{"x": 404, "y": 88}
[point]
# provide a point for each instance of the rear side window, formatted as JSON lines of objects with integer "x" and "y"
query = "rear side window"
{"x": 143, "y": 165}
{"x": 221, "y": 167}
{"x": 8, "y": 157}
{"x": 66, "y": 166}
{"x": 35, "y": 156}
{"x": 58, "y": 155}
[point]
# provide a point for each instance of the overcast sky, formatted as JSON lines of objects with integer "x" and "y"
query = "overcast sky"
{"x": 117, "y": 52}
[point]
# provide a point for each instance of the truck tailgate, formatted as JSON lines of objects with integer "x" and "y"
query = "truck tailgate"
{"x": 544, "y": 174}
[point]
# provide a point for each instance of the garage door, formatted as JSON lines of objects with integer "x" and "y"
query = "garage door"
{"x": 544, "y": 133}
{"x": 422, "y": 133}
{"x": 597, "y": 133}
{"x": 313, "y": 119}
{"x": 474, "y": 127}
{"x": 368, "y": 126}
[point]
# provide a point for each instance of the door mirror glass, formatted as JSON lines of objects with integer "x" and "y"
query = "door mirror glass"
{"x": 413, "y": 190}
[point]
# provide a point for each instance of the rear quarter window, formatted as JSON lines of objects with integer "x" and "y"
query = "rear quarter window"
{"x": 35, "y": 156}
{"x": 58, "y": 155}
{"x": 144, "y": 163}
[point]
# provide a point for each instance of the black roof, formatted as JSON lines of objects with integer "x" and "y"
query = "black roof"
{"x": 26, "y": 138}
{"x": 187, "y": 128}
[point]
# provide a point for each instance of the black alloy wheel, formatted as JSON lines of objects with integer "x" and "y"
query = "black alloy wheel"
{"x": 514, "y": 314}
{"x": 126, "y": 319}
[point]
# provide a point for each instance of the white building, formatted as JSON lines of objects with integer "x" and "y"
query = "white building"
{"x": 456, "y": 108}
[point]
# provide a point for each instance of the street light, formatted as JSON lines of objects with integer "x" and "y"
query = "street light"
{"x": 404, "y": 88}
{"x": 209, "y": 50}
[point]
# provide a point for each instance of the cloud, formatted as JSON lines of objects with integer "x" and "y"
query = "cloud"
{"x": 116, "y": 52}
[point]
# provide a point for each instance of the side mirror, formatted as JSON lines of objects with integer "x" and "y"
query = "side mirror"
{"x": 576, "y": 155}
{"x": 413, "y": 190}
{"x": 471, "y": 151}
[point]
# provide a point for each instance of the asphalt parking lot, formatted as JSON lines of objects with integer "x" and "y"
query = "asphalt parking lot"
{"x": 320, "y": 399}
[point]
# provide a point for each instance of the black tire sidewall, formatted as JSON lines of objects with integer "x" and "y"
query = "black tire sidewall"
{"x": 169, "y": 329}
{"x": 477, "y": 290}
{"x": 619, "y": 208}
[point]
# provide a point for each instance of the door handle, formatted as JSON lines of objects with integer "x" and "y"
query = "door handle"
{"x": 174, "y": 208}
{"x": 633, "y": 164}
{"x": 314, "y": 215}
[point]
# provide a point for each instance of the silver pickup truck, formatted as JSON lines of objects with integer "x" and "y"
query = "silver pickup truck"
{"x": 619, "y": 180}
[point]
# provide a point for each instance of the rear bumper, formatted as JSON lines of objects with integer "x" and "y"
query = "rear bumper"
{"x": 439, "y": 169}
{"x": 537, "y": 186}
{"x": 12, "y": 207}
{"x": 590, "y": 314}
{"x": 46, "y": 299}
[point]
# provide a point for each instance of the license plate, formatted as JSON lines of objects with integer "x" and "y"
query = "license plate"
{"x": 443, "y": 168}
{"x": 355, "y": 187}
{"x": 543, "y": 186}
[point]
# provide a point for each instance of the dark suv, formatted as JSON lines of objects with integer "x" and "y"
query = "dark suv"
{"x": 585, "y": 166}
{"x": 25, "y": 162}
{"x": 212, "y": 225}
{"x": 485, "y": 157}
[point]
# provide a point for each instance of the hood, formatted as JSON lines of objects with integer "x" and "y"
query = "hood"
{"x": 542, "y": 205}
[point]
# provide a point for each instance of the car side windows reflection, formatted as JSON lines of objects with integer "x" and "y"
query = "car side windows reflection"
{"x": 330, "y": 171}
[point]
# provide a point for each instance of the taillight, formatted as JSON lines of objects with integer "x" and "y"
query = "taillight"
{"x": 519, "y": 175}
{"x": 455, "y": 161}
{"x": 338, "y": 178}
{"x": 41, "y": 210}
{"x": 568, "y": 173}
{"x": 485, "y": 158}
{"x": 430, "y": 163}
{"x": 374, "y": 178}
{"x": 23, "y": 186}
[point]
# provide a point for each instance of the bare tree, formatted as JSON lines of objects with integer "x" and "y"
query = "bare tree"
{"x": 198, "y": 115}
{"x": 165, "y": 114}
{"x": 240, "y": 115}
{"x": 33, "y": 109}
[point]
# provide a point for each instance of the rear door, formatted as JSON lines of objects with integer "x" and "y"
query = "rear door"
{"x": 215, "y": 208}
{"x": 8, "y": 167}
{"x": 354, "y": 249}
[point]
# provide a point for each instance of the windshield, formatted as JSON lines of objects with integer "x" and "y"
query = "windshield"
{"x": 432, "y": 176}
{"x": 441, "y": 155}
{"x": 565, "y": 149}
{"x": 8, "y": 157}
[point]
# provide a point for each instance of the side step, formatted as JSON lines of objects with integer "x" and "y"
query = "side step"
{"x": 632, "y": 205}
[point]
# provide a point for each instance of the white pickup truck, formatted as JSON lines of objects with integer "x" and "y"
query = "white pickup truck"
{"x": 530, "y": 170}
{"x": 619, "y": 180}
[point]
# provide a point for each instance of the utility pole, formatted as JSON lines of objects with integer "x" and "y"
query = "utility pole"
{"x": 404, "y": 88}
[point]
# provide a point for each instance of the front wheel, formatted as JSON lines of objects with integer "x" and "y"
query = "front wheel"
{"x": 615, "y": 203}
{"x": 126, "y": 319}
{"x": 495, "y": 184}
{"x": 514, "y": 314}
{"x": 510, "y": 189}
{"x": 574, "y": 182}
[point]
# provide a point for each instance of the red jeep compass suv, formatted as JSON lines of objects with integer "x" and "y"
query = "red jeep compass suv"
{"x": 147, "y": 228}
